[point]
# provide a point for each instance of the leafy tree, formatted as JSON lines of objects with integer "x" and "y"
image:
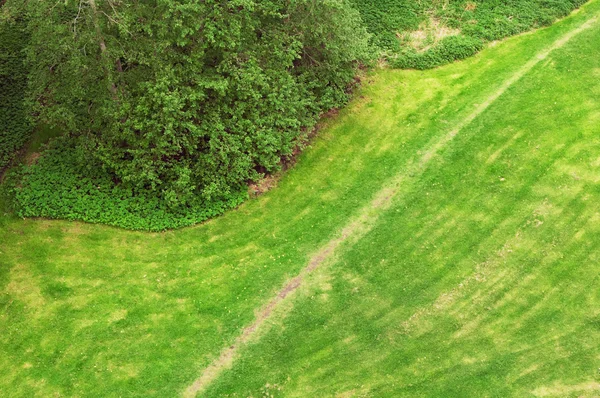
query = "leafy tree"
{"x": 14, "y": 127}
{"x": 188, "y": 98}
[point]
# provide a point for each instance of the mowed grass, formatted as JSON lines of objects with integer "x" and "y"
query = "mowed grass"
{"x": 483, "y": 279}
{"x": 480, "y": 280}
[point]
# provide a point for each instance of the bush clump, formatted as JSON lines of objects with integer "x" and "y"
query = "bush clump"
{"x": 449, "y": 49}
{"x": 15, "y": 128}
{"x": 451, "y": 30}
{"x": 171, "y": 108}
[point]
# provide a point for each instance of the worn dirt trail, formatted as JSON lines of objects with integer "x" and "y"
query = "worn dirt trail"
{"x": 368, "y": 215}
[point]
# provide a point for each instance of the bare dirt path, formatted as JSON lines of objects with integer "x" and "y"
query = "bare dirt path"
{"x": 367, "y": 217}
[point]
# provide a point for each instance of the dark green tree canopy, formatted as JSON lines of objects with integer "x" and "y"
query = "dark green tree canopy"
{"x": 188, "y": 98}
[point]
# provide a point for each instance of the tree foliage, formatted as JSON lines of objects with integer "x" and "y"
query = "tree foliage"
{"x": 188, "y": 99}
{"x": 14, "y": 126}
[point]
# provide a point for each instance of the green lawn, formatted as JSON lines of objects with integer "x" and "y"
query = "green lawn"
{"x": 480, "y": 278}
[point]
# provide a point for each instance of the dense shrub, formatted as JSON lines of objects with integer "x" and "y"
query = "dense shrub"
{"x": 172, "y": 107}
{"x": 14, "y": 126}
{"x": 478, "y": 21}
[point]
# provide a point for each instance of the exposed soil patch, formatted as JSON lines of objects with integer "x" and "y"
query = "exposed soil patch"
{"x": 266, "y": 184}
{"x": 32, "y": 158}
{"x": 470, "y": 6}
{"x": 428, "y": 35}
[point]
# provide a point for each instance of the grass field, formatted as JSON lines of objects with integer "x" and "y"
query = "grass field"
{"x": 460, "y": 206}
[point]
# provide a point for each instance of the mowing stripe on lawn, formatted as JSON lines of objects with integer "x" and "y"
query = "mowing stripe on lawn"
{"x": 368, "y": 215}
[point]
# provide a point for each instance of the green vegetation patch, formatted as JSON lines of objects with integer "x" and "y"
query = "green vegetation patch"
{"x": 430, "y": 33}
{"x": 170, "y": 109}
{"x": 169, "y": 136}
{"x": 15, "y": 129}
{"x": 481, "y": 279}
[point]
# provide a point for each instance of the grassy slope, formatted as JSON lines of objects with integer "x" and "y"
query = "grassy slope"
{"x": 65, "y": 286}
{"x": 90, "y": 310}
{"x": 482, "y": 280}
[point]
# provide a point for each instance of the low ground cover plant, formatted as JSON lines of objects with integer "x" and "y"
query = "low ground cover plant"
{"x": 430, "y": 33}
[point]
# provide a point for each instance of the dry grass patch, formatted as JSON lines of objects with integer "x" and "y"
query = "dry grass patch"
{"x": 430, "y": 33}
